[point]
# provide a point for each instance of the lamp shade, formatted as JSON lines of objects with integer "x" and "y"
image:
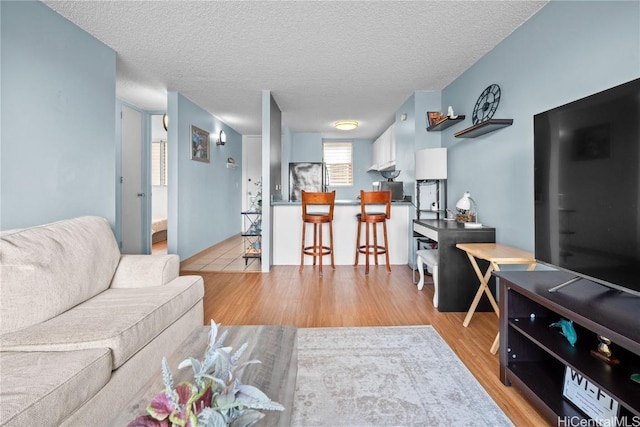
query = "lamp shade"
{"x": 464, "y": 204}
{"x": 431, "y": 163}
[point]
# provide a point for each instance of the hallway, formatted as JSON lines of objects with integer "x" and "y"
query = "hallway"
{"x": 225, "y": 256}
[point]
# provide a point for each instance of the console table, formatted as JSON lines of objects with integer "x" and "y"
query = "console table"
{"x": 534, "y": 356}
{"x": 457, "y": 281}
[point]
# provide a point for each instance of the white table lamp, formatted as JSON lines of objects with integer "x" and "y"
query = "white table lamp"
{"x": 464, "y": 205}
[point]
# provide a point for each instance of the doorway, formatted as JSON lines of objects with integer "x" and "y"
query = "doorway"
{"x": 251, "y": 169}
{"x": 228, "y": 255}
{"x": 159, "y": 185}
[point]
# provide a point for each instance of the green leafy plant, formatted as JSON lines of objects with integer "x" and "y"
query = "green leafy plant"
{"x": 216, "y": 398}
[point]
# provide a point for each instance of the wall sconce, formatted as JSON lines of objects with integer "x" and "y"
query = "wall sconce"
{"x": 165, "y": 121}
{"x": 222, "y": 138}
{"x": 465, "y": 214}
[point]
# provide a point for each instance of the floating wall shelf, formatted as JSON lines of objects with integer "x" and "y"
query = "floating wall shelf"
{"x": 445, "y": 123}
{"x": 483, "y": 127}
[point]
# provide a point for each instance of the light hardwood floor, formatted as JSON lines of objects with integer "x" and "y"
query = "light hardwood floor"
{"x": 347, "y": 297}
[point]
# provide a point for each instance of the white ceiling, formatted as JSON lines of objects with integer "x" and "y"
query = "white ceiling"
{"x": 322, "y": 60}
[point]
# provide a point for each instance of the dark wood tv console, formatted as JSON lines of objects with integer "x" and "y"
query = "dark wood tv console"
{"x": 533, "y": 355}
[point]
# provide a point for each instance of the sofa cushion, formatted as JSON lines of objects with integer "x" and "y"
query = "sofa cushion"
{"x": 42, "y": 388}
{"x": 138, "y": 271}
{"x": 124, "y": 320}
{"x": 48, "y": 269}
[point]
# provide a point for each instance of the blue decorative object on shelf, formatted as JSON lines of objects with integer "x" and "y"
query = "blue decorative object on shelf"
{"x": 567, "y": 330}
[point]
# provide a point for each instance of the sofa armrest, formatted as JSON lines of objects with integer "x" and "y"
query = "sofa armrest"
{"x": 139, "y": 271}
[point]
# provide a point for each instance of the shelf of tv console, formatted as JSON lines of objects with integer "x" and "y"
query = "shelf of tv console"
{"x": 533, "y": 356}
{"x": 483, "y": 127}
{"x": 445, "y": 123}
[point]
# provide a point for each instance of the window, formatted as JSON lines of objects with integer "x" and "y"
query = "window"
{"x": 338, "y": 156}
{"x": 159, "y": 163}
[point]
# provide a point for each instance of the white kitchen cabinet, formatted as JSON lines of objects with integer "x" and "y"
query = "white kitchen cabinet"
{"x": 384, "y": 151}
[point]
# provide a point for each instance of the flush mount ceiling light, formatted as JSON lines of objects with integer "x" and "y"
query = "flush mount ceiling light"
{"x": 346, "y": 124}
{"x": 165, "y": 122}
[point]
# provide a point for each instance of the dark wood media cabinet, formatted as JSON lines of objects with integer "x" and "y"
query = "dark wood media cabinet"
{"x": 533, "y": 355}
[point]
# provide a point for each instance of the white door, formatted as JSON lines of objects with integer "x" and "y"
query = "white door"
{"x": 252, "y": 168}
{"x": 133, "y": 196}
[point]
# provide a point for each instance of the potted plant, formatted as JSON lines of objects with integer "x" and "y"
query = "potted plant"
{"x": 215, "y": 398}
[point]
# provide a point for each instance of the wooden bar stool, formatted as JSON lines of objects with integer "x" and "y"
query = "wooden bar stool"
{"x": 317, "y": 218}
{"x": 373, "y": 218}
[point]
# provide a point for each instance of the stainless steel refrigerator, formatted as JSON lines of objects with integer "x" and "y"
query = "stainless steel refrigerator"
{"x": 305, "y": 176}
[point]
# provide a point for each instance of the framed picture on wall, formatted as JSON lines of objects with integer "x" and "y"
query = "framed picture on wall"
{"x": 434, "y": 117}
{"x": 199, "y": 144}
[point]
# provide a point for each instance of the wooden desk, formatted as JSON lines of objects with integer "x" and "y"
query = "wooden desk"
{"x": 495, "y": 254}
{"x": 455, "y": 275}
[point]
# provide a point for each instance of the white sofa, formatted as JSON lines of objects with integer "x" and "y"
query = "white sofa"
{"x": 83, "y": 327}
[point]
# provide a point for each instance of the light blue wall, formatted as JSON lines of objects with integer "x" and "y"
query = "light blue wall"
{"x": 411, "y": 135}
{"x": 58, "y": 119}
{"x": 565, "y": 52}
{"x": 306, "y": 147}
{"x": 405, "y": 134}
{"x": 204, "y": 199}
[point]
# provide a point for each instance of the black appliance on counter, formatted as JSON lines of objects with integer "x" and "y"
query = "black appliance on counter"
{"x": 396, "y": 188}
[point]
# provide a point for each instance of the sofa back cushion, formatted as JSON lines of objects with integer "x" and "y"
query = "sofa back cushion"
{"x": 48, "y": 269}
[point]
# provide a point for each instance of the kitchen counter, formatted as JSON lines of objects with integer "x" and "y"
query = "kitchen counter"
{"x": 343, "y": 202}
{"x": 287, "y": 233}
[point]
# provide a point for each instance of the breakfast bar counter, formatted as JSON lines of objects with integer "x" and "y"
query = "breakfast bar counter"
{"x": 287, "y": 233}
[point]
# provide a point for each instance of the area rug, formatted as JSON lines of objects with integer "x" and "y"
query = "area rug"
{"x": 386, "y": 376}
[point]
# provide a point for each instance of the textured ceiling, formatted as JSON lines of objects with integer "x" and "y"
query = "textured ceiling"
{"x": 322, "y": 60}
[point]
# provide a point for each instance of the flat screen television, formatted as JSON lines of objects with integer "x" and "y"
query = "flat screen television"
{"x": 587, "y": 187}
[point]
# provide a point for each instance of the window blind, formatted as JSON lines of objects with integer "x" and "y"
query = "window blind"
{"x": 338, "y": 158}
{"x": 159, "y": 163}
